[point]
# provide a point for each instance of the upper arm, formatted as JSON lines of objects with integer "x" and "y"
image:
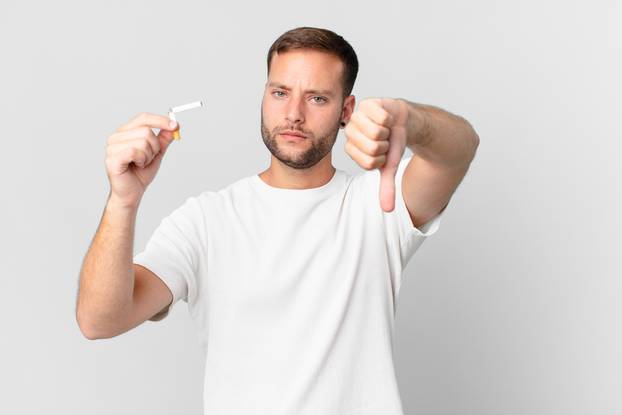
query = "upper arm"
{"x": 151, "y": 298}
{"x": 427, "y": 188}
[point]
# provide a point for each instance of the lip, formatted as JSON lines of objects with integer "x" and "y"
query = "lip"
{"x": 293, "y": 133}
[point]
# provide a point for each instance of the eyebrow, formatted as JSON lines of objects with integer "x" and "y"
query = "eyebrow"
{"x": 312, "y": 91}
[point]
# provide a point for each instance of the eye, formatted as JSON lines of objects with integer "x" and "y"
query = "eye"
{"x": 278, "y": 92}
{"x": 322, "y": 99}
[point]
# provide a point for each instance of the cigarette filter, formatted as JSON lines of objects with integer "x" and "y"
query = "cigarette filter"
{"x": 172, "y": 111}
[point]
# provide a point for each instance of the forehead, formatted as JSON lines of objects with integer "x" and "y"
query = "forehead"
{"x": 307, "y": 67}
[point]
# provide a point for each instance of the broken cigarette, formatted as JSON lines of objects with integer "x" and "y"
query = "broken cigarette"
{"x": 173, "y": 110}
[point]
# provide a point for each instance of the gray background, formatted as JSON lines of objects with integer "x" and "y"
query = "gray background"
{"x": 511, "y": 308}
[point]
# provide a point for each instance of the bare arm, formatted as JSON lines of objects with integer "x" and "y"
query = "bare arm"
{"x": 440, "y": 137}
{"x": 106, "y": 277}
{"x": 116, "y": 295}
{"x": 444, "y": 145}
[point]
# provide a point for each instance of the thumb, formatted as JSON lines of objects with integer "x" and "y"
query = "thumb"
{"x": 164, "y": 143}
{"x": 387, "y": 176}
{"x": 166, "y": 138}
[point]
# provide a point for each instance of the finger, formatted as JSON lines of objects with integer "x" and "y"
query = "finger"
{"x": 364, "y": 160}
{"x": 119, "y": 162}
{"x": 143, "y": 132}
{"x": 387, "y": 188}
{"x": 150, "y": 144}
{"x": 370, "y": 128}
{"x": 374, "y": 110}
{"x": 165, "y": 141}
{"x": 368, "y": 146}
{"x": 137, "y": 143}
{"x": 387, "y": 178}
{"x": 167, "y": 135}
{"x": 151, "y": 120}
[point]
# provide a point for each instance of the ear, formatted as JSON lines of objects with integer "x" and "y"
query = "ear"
{"x": 348, "y": 109}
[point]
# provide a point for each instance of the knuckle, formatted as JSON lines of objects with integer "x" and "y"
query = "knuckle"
{"x": 372, "y": 132}
{"x": 374, "y": 148}
{"x": 384, "y": 117}
{"x": 156, "y": 146}
{"x": 379, "y": 132}
{"x": 145, "y": 146}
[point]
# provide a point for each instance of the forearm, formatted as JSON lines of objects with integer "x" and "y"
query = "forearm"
{"x": 439, "y": 136}
{"x": 107, "y": 275}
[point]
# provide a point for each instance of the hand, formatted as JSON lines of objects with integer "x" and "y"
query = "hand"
{"x": 376, "y": 138}
{"x": 133, "y": 156}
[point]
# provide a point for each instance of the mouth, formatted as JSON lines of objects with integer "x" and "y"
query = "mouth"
{"x": 293, "y": 132}
{"x": 293, "y": 135}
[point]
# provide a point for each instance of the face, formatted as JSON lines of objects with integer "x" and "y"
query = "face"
{"x": 303, "y": 94}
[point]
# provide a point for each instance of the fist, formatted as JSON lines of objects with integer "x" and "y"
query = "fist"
{"x": 134, "y": 154}
{"x": 376, "y": 138}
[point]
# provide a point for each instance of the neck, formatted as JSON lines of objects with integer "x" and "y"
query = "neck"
{"x": 286, "y": 177}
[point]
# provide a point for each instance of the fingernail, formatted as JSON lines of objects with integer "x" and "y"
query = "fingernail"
{"x": 173, "y": 124}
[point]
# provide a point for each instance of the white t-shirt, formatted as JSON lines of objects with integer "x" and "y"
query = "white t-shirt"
{"x": 293, "y": 292}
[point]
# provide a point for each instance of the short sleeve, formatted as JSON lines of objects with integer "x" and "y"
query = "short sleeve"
{"x": 410, "y": 238}
{"x": 173, "y": 252}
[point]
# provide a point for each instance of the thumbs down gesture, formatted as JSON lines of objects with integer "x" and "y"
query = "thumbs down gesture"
{"x": 376, "y": 138}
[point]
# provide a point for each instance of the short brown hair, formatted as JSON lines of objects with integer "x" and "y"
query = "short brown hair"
{"x": 324, "y": 40}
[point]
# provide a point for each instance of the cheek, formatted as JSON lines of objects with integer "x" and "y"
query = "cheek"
{"x": 274, "y": 115}
{"x": 270, "y": 110}
{"x": 266, "y": 110}
{"x": 328, "y": 118}
{"x": 268, "y": 117}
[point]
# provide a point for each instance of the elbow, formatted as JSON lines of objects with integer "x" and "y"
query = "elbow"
{"x": 89, "y": 329}
{"x": 474, "y": 135}
{"x": 97, "y": 328}
{"x": 469, "y": 141}
{"x": 471, "y": 133}
{"x": 473, "y": 139}
{"x": 86, "y": 329}
{"x": 475, "y": 146}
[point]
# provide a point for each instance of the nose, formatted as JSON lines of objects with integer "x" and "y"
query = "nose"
{"x": 295, "y": 111}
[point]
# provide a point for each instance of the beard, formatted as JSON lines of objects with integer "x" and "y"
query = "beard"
{"x": 299, "y": 159}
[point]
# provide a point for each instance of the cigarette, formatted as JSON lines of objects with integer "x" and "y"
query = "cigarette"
{"x": 173, "y": 110}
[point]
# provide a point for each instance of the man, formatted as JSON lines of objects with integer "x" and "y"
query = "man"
{"x": 290, "y": 275}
